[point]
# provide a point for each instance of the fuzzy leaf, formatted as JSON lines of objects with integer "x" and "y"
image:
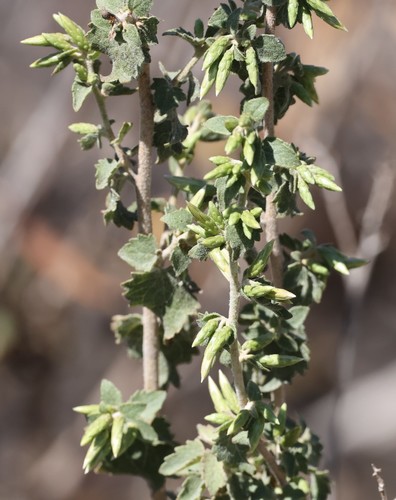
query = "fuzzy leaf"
{"x": 105, "y": 169}
{"x": 153, "y": 401}
{"x": 292, "y": 12}
{"x": 213, "y": 473}
{"x": 117, "y": 432}
{"x": 280, "y": 153}
{"x": 228, "y": 393}
{"x": 177, "y": 312}
{"x": 140, "y": 8}
{"x": 222, "y": 125}
{"x": 215, "y": 51}
{"x": 183, "y": 456}
{"x": 191, "y": 489}
{"x": 224, "y": 69}
{"x": 219, "y": 402}
{"x": 151, "y": 289}
{"x": 140, "y": 252}
{"x": 279, "y": 360}
{"x": 269, "y": 49}
{"x": 95, "y": 428}
{"x": 109, "y": 394}
{"x": 304, "y": 192}
{"x": 256, "y": 108}
{"x": 127, "y": 57}
{"x": 80, "y": 91}
{"x": 178, "y": 220}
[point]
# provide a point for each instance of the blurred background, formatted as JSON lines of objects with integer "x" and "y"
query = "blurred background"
{"x": 59, "y": 274}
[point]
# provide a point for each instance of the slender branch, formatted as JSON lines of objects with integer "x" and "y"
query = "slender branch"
{"x": 271, "y": 226}
{"x": 276, "y": 471}
{"x": 271, "y": 229}
{"x": 143, "y": 178}
{"x": 233, "y": 313}
{"x": 183, "y": 73}
{"x": 143, "y": 195}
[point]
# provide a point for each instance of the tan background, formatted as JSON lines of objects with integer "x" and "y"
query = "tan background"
{"x": 59, "y": 277}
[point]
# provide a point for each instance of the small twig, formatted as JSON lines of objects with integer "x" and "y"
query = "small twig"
{"x": 380, "y": 482}
{"x": 276, "y": 471}
{"x": 183, "y": 73}
{"x": 233, "y": 314}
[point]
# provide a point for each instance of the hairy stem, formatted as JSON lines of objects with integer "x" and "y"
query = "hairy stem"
{"x": 233, "y": 313}
{"x": 183, "y": 73}
{"x": 143, "y": 195}
{"x": 271, "y": 226}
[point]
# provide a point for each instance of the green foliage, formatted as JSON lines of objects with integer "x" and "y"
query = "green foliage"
{"x": 221, "y": 218}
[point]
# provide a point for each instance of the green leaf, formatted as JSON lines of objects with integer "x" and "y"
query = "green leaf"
{"x": 96, "y": 427}
{"x": 97, "y": 452}
{"x": 252, "y": 68}
{"x": 183, "y": 457}
{"x": 125, "y": 128}
{"x": 150, "y": 290}
{"x": 140, "y": 252}
{"x": 192, "y": 488}
{"x": 83, "y": 128}
{"x": 86, "y": 409}
{"x": 279, "y": 360}
{"x": 127, "y": 57}
{"x": 222, "y": 125}
{"x": 206, "y": 331}
{"x": 280, "y": 153}
{"x": 109, "y": 394}
{"x": 256, "y": 108}
{"x": 146, "y": 431}
{"x": 216, "y": 50}
{"x": 255, "y": 432}
{"x": 180, "y": 261}
{"x": 54, "y": 59}
{"x": 75, "y": 31}
{"x": 80, "y": 91}
{"x": 141, "y": 8}
{"x": 269, "y": 49}
{"x": 219, "y": 402}
{"x": 257, "y": 290}
{"x": 258, "y": 265}
{"x": 228, "y": 393}
{"x": 153, "y": 401}
{"x": 215, "y": 345}
{"x": 292, "y": 12}
{"x": 224, "y": 69}
{"x": 105, "y": 170}
{"x": 181, "y": 306}
{"x": 307, "y": 21}
{"x": 113, "y": 6}
{"x": 300, "y": 314}
{"x": 209, "y": 79}
{"x": 326, "y": 183}
{"x": 323, "y": 11}
{"x": 213, "y": 473}
{"x": 177, "y": 220}
{"x": 117, "y": 433}
{"x": 304, "y": 192}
